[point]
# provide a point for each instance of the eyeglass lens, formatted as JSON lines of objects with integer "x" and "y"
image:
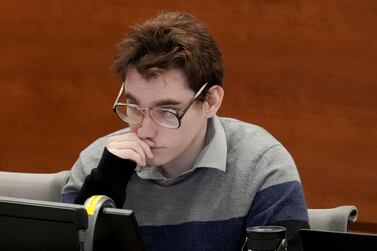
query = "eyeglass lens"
{"x": 133, "y": 114}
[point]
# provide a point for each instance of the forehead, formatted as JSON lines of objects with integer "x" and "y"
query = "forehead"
{"x": 171, "y": 85}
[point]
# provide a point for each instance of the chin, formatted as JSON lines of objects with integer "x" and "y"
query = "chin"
{"x": 153, "y": 162}
{"x": 156, "y": 162}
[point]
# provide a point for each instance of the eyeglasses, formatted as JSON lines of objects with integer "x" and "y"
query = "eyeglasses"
{"x": 165, "y": 117}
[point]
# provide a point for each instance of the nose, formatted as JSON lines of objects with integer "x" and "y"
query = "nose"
{"x": 147, "y": 127}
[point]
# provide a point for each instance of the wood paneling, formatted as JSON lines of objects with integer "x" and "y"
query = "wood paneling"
{"x": 304, "y": 70}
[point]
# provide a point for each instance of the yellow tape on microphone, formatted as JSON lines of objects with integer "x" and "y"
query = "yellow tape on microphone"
{"x": 91, "y": 204}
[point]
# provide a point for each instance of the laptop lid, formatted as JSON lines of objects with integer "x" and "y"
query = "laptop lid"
{"x": 314, "y": 240}
{"x": 52, "y": 226}
{"x": 117, "y": 229}
{"x": 41, "y": 225}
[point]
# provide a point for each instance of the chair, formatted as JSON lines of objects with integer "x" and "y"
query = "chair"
{"x": 332, "y": 219}
{"x": 37, "y": 186}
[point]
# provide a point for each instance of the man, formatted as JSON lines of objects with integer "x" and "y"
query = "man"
{"x": 195, "y": 181}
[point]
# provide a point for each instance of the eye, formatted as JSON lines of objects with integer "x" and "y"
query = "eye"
{"x": 132, "y": 109}
{"x": 131, "y": 102}
{"x": 167, "y": 115}
{"x": 168, "y": 109}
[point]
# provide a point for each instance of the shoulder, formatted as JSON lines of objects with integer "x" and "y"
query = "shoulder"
{"x": 255, "y": 153}
{"x": 241, "y": 136}
{"x": 97, "y": 146}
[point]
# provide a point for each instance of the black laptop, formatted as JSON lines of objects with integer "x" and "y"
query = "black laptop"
{"x": 33, "y": 225}
{"x": 314, "y": 240}
{"x": 117, "y": 229}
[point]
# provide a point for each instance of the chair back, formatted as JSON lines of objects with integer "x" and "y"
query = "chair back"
{"x": 332, "y": 219}
{"x": 37, "y": 186}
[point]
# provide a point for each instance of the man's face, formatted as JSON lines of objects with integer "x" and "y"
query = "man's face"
{"x": 170, "y": 147}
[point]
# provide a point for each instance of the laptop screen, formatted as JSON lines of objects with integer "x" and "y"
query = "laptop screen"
{"x": 52, "y": 226}
{"x": 40, "y": 225}
{"x": 314, "y": 240}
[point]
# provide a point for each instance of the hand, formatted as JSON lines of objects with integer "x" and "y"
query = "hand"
{"x": 130, "y": 146}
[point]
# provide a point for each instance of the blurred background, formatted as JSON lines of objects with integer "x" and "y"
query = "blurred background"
{"x": 304, "y": 70}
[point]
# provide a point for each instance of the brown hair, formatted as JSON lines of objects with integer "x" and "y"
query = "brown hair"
{"x": 171, "y": 40}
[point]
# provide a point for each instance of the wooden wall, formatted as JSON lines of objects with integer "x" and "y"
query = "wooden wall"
{"x": 304, "y": 70}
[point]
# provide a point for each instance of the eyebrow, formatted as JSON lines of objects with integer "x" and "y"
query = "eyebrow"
{"x": 162, "y": 102}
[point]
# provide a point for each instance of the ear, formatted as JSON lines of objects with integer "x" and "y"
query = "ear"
{"x": 213, "y": 100}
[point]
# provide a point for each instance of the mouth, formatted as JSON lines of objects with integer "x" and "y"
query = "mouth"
{"x": 153, "y": 148}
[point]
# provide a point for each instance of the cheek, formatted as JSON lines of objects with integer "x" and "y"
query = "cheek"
{"x": 189, "y": 129}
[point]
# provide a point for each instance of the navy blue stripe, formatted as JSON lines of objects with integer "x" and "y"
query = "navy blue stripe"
{"x": 280, "y": 202}
{"x": 69, "y": 197}
{"x": 199, "y": 236}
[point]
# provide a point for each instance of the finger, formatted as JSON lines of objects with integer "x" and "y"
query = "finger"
{"x": 147, "y": 149}
{"x": 145, "y": 144}
{"x": 125, "y": 146}
{"x": 130, "y": 155}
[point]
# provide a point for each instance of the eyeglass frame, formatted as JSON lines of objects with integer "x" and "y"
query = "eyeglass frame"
{"x": 179, "y": 115}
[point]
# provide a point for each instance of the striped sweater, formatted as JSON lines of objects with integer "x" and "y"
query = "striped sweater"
{"x": 243, "y": 177}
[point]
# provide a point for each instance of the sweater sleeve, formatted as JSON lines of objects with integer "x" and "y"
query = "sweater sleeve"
{"x": 110, "y": 178}
{"x": 280, "y": 199}
{"x": 281, "y": 205}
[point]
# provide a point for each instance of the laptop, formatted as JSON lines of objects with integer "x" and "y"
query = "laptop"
{"x": 117, "y": 229}
{"x": 314, "y": 240}
{"x": 34, "y": 225}
{"x": 39, "y": 225}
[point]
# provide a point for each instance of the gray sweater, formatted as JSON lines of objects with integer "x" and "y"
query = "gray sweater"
{"x": 243, "y": 177}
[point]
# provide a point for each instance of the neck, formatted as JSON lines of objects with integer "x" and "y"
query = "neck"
{"x": 187, "y": 159}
